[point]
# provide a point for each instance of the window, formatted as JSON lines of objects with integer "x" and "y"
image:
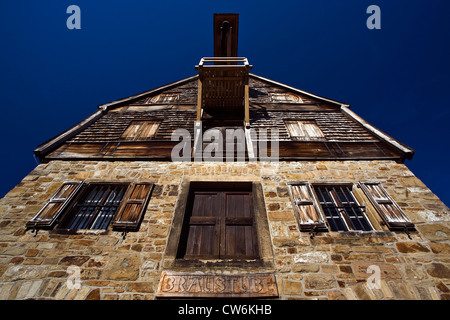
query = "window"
{"x": 164, "y": 98}
{"x": 341, "y": 208}
{"x": 219, "y": 223}
{"x": 304, "y": 130}
{"x": 388, "y": 209}
{"x": 141, "y": 130}
{"x": 285, "y": 97}
{"x": 94, "y": 206}
{"x": 328, "y": 206}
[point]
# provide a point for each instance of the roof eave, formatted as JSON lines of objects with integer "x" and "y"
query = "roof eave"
{"x": 337, "y": 103}
{"x": 407, "y": 151}
{"x": 45, "y": 148}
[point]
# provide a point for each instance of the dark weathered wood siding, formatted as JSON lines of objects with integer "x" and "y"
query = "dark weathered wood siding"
{"x": 270, "y": 106}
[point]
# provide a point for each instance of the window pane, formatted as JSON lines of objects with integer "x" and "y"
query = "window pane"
{"x": 107, "y": 211}
{"x": 352, "y": 209}
{"x": 239, "y": 238}
{"x": 131, "y": 131}
{"x": 308, "y": 214}
{"x": 341, "y": 208}
{"x": 312, "y": 130}
{"x": 377, "y": 193}
{"x": 301, "y": 194}
{"x": 96, "y": 207}
{"x": 65, "y": 192}
{"x": 332, "y": 214}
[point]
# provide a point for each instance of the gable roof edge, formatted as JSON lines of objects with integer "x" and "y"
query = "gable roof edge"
{"x": 117, "y": 103}
{"x": 340, "y": 104}
{"x": 390, "y": 140}
{"x": 45, "y": 148}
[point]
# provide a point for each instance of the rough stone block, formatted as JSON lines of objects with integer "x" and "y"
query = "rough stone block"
{"x": 387, "y": 271}
{"x": 411, "y": 247}
{"x": 320, "y": 282}
{"x": 123, "y": 267}
{"x": 292, "y": 287}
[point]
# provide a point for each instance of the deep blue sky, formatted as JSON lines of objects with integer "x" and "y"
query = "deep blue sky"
{"x": 396, "y": 78}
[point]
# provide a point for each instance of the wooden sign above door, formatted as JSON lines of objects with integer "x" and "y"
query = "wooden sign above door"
{"x": 188, "y": 285}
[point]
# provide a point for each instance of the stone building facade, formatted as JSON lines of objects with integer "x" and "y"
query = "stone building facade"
{"x": 113, "y": 213}
{"x": 329, "y": 265}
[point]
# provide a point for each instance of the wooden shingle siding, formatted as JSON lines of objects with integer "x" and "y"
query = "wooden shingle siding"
{"x": 108, "y": 137}
{"x": 112, "y": 126}
{"x": 334, "y": 125}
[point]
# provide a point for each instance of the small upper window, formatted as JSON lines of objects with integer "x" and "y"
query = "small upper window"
{"x": 141, "y": 130}
{"x": 304, "y": 130}
{"x": 164, "y": 98}
{"x": 285, "y": 97}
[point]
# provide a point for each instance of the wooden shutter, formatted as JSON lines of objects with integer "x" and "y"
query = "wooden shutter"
{"x": 48, "y": 215}
{"x": 132, "y": 209}
{"x": 221, "y": 226}
{"x": 294, "y": 129}
{"x": 238, "y": 236}
{"x": 203, "y": 239}
{"x": 312, "y": 130}
{"x": 309, "y": 216}
{"x": 304, "y": 130}
{"x": 388, "y": 209}
{"x": 141, "y": 130}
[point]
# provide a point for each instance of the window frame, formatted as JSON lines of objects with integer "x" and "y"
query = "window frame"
{"x": 164, "y": 98}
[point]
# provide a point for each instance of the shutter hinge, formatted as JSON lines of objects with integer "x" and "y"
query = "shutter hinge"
{"x": 313, "y": 232}
{"x": 407, "y": 232}
{"x": 34, "y": 229}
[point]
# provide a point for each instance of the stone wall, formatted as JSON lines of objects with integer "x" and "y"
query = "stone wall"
{"x": 330, "y": 265}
